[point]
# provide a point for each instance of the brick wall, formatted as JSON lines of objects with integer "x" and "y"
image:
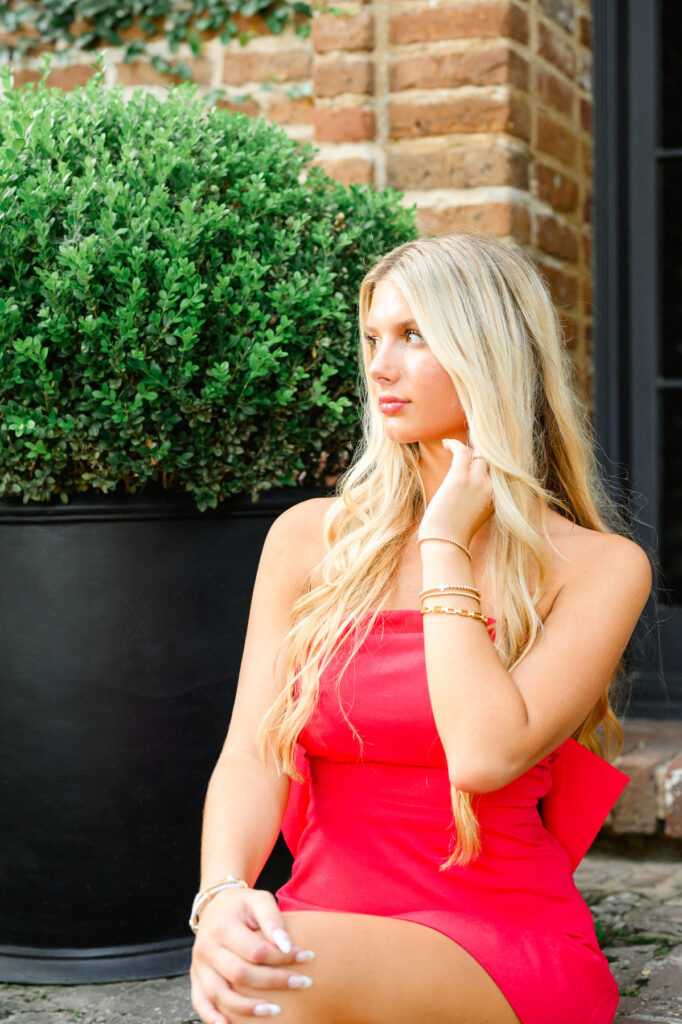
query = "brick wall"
{"x": 479, "y": 110}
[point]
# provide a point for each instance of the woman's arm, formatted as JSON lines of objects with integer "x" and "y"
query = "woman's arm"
{"x": 242, "y": 937}
{"x": 246, "y": 799}
{"x": 496, "y": 724}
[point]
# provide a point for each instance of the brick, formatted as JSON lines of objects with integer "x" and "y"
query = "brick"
{"x": 586, "y": 248}
{"x": 285, "y": 66}
{"x": 343, "y": 74}
{"x": 556, "y": 139}
{"x": 497, "y": 65}
{"x": 491, "y": 219}
{"x": 134, "y": 31}
{"x": 465, "y": 21}
{"x": 68, "y": 78}
{"x": 555, "y": 47}
{"x": 351, "y": 124}
{"x": 585, "y": 33}
{"x": 587, "y": 159}
{"x": 636, "y": 808}
{"x": 458, "y": 167}
{"x": 587, "y": 208}
{"x": 141, "y": 72}
{"x": 562, "y": 11}
{"x": 252, "y": 24}
{"x": 248, "y": 106}
{"x": 352, "y": 170}
{"x": 11, "y": 39}
{"x": 554, "y": 91}
{"x": 285, "y": 110}
{"x": 22, "y": 75}
{"x": 585, "y": 115}
{"x": 555, "y": 188}
{"x": 556, "y": 238}
{"x": 563, "y": 287}
{"x": 343, "y": 32}
{"x": 584, "y": 78}
{"x": 587, "y": 295}
{"x": 471, "y": 113}
{"x": 673, "y": 798}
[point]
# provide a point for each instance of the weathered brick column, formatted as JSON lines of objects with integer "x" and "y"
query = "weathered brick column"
{"x": 344, "y": 73}
{"x": 479, "y": 111}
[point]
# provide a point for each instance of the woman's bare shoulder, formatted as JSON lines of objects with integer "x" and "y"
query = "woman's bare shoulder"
{"x": 580, "y": 553}
{"x": 297, "y": 535}
{"x": 300, "y": 520}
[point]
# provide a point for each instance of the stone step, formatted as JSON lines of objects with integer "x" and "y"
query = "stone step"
{"x": 652, "y": 802}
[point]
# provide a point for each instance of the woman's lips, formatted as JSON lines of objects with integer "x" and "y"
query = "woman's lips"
{"x": 390, "y": 406}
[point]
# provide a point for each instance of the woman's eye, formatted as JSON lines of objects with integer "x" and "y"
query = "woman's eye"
{"x": 370, "y": 341}
{"x": 413, "y": 336}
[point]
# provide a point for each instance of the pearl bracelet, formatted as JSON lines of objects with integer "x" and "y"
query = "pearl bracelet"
{"x": 203, "y": 897}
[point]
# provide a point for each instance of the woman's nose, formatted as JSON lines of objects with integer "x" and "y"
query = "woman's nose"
{"x": 384, "y": 363}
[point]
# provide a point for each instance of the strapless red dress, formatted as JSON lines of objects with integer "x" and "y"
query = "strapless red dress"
{"x": 370, "y": 827}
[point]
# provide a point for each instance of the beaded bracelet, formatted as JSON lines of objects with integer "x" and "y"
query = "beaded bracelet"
{"x": 465, "y": 612}
{"x": 452, "y": 588}
{"x": 448, "y": 540}
{"x": 202, "y": 898}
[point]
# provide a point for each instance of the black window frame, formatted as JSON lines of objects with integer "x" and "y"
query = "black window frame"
{"x": 626, "y": 314}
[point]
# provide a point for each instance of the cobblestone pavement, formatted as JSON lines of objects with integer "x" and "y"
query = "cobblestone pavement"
{"x": 637, "y": 905}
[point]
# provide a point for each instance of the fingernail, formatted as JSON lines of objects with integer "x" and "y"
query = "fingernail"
{"x": 304, "y": 955}
{"x": 299, "y": 981}
{"x": 282, "y": 939}
{"x": 266, "y": 1009}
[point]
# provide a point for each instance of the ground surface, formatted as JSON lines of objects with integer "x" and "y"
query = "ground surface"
{"x": 636, "y": 903}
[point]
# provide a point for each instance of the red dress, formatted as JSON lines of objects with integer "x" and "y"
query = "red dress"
{"x": 370, "y": 828}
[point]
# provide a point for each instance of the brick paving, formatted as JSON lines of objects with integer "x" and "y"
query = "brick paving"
{"x": 636, "y": 902}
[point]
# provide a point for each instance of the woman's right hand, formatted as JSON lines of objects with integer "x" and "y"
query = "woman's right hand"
{"x": 242, "y": 940}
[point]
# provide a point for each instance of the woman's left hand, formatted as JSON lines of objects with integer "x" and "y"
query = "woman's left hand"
{"x": 464, "y": 501}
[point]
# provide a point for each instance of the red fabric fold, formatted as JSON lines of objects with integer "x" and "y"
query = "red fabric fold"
{"x": 584, "y": 789}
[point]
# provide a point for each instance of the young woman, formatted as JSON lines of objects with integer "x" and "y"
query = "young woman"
{"x": 423, "y": 652}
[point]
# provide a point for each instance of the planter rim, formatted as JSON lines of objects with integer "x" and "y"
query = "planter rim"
{"x": 27, "y": 965}
{"x": 151, "y": 505}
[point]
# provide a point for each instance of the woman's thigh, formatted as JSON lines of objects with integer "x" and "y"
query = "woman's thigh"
{"x": 378, "y": 970}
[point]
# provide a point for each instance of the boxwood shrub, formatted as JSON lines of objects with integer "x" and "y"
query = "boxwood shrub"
{"x": 178, "y": 292}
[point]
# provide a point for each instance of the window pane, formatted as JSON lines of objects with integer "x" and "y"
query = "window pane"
{"x": 670, "y": 267}
{"x": 670, "y": 81}
{"x": 670, "y": 497}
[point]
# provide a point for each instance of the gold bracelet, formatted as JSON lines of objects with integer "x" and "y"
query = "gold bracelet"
{"x": 451, "y": 588}
{"x": 448, "y": 540}
{"x": 465, "y": 612}
{"x": 449, "y": 593}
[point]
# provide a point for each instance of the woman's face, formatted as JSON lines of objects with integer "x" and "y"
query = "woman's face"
{"x": 401, "y": 366}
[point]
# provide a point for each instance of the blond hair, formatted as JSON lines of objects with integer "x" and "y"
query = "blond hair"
{"x": 488, "y": 318}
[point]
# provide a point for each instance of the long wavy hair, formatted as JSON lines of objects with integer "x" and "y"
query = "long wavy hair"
{"x": 488, "y": 318}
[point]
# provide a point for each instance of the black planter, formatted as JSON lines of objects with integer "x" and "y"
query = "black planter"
{"x": 122, "y": 624}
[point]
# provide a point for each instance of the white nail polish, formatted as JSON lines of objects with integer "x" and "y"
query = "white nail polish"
{"x": 304, "y": 955}
{"x": 299, "y": 981}
{"x": 266, "y": 1010}
{"x": 282, "y": 939}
